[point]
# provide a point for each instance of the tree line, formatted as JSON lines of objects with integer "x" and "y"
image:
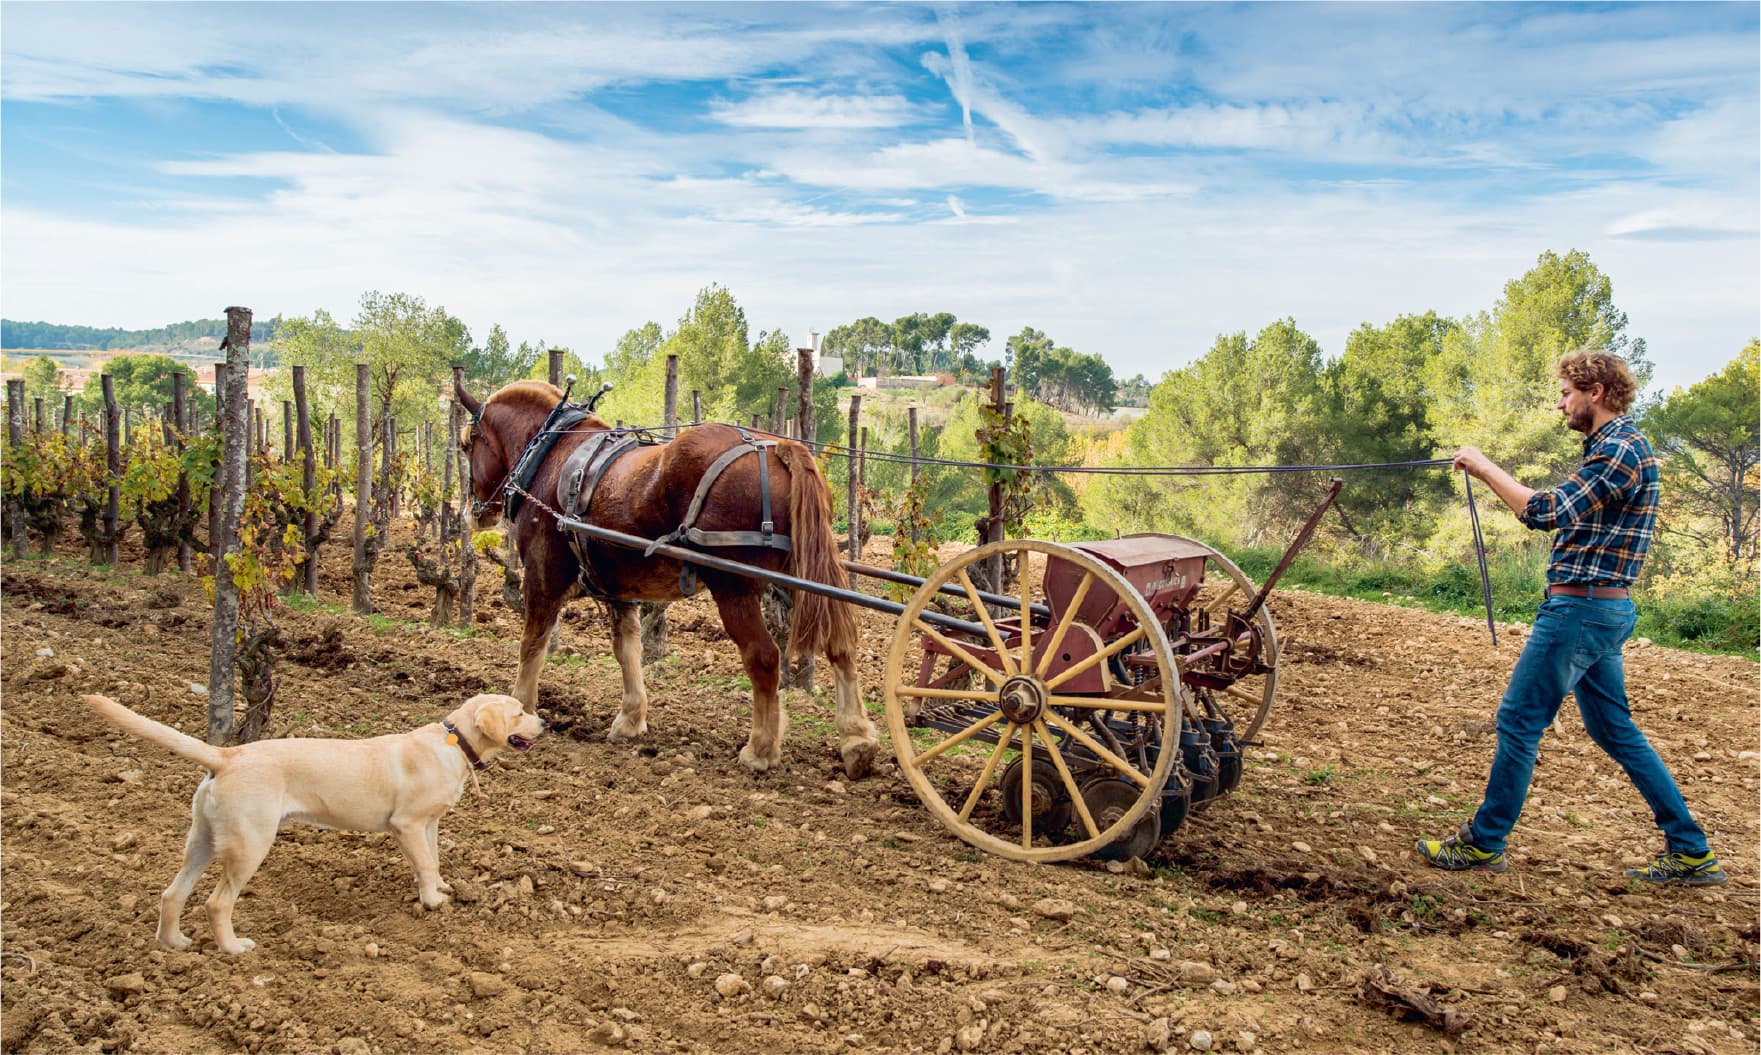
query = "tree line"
{"x": 60, "y": 336}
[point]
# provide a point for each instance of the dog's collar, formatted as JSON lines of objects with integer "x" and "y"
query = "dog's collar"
{"x": 453, "y": 736}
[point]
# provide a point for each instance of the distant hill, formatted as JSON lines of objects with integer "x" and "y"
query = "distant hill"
{"x": 61, "y": 336}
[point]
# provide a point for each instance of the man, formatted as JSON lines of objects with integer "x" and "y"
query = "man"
{"x": 1602, "y": 518}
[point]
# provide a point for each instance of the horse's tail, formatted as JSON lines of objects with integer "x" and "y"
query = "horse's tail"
{"x": 820, "y": 623}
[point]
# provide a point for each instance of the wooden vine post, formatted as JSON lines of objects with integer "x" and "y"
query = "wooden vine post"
{"x": 214, "y": 491}
{"x": 911, "y": 420}
{"x": 308, "y": 478}
{"x": 556, "y": 367}
{"x": 652, "y": 616}
{"x": 113, "y": 470}
{"x": 455, "y": 419}
{"x": 778, "y": 416}
{"x": 180, "y": 417}
{"x": 229, "y": 498}
{"x": 17, "y": 536}
{"x": 363, "y": 555}
{"x": 855, "y": 512}
{"x": 804, "y": 431}
{"x": 804, "y": 395}
{"x": 670, "y": 407}
{"x": 993, "y": 525}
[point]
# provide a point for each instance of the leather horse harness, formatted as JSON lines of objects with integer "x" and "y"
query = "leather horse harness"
{"x": 587, "y": 465}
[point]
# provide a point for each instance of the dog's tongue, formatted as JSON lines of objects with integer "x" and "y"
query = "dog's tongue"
{"x": 518, "y": 742}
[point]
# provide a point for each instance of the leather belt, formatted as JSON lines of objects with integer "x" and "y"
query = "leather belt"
{"x": 1590, "y": 590}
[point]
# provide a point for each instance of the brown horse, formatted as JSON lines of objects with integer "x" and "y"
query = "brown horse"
{"x": 647, "y": 492}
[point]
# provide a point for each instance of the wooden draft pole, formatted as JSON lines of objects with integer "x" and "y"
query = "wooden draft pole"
{"x": 229, "y": 498}
{"x": 308, "y": 477}
{"x": 363, "y": 559}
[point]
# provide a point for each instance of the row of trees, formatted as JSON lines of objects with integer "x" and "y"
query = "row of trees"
{"x": 919, "y": 343}
{"x": 52, "y": 335}
{"x": 1068, "y": 380}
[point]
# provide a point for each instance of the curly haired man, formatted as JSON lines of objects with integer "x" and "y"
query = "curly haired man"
{"x": 1602, "y": 518}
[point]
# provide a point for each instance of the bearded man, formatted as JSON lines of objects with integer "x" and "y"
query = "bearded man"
{"x": 1602, "y": 518}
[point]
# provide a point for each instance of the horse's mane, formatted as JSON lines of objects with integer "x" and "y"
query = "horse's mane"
{"x": 531, "y": 402}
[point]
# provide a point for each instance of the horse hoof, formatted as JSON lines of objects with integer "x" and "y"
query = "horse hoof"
{"x": 754, "y": 762}
{"x": 858, "y": 757}
{"x": 622, "y": 730}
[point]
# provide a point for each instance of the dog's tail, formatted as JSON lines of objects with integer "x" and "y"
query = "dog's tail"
{"x": 164, "y": 735}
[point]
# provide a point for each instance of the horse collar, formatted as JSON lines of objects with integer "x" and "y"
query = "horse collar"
{"x": 519, "y": 480}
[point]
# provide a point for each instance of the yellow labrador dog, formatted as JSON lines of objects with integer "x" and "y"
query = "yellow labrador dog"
{"x": 401, "y": 784}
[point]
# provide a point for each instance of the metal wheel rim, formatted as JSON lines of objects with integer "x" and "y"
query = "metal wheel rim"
{"x": 1175, "y": 701}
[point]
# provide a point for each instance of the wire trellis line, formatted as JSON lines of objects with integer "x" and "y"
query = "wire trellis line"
{"x": 841, "y": 450}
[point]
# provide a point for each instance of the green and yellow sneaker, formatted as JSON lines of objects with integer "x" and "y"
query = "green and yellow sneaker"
{"x": 1688, "y": 870}
{"x": 1457, "y": 854}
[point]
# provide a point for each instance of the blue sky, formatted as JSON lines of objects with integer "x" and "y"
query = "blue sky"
{"x": 1131, "y": 179}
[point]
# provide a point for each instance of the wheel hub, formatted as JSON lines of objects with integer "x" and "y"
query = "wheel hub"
{"x": 1022, "y": 699}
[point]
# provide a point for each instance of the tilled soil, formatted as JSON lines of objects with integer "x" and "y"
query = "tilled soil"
{"x": 657, "y": 897}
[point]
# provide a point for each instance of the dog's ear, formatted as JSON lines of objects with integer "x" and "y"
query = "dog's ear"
{"x": 490, "y": 718}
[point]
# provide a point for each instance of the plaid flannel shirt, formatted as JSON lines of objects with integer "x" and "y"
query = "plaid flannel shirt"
{"x": 1603, "y": 514}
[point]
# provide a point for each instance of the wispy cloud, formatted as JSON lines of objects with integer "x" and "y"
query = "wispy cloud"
{"x": 804, "y": 109}
{"x": 1133, "y": 179}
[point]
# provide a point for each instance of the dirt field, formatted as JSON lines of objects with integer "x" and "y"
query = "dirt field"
{"x": 659, "y": 898}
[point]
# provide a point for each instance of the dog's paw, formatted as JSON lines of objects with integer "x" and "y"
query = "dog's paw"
{"x": 858, "y": 757}
{"x": 444, "y": 887}
{"x": 175, "y": 942}
{"x": 434, "y": 901}
{"x": 757, "y": 763}
{"x": 625, "y": 730}
{"x": 243, "y": 946}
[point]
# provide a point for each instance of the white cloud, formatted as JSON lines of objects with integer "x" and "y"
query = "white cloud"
{"x": 805, "y": 109}
{"x": 1133, "y": 180}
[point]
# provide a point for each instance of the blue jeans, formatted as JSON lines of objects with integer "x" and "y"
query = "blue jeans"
{"x": 1575, "y": 647}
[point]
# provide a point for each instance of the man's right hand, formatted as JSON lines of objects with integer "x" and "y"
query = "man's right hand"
{"x": 1472, "y": 460}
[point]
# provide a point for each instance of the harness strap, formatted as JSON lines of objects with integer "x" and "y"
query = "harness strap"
{"x": 581, "y": 498}
{"x": 765, "y": 537}
{"x": 563, "y": 416}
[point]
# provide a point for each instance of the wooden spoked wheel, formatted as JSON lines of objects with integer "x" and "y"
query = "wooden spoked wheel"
{"x": 1014, "y": 732}
{"x": 1247, "y": 702}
